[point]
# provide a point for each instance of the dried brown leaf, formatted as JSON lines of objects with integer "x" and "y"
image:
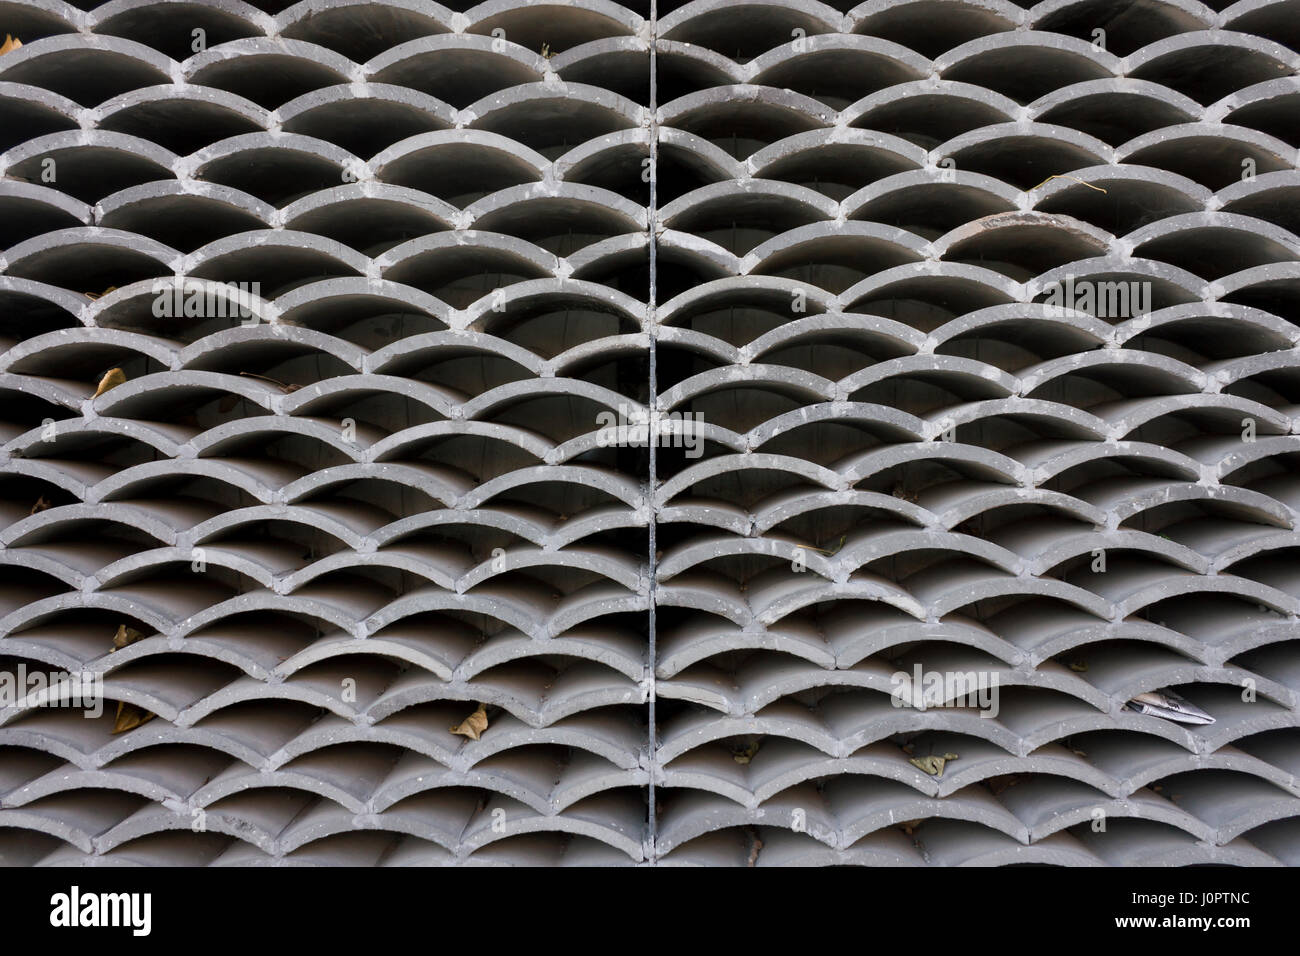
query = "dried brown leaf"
{"x": 112, "y": 379}
{"x": 473, "y": 725}
{"x": 129, "y": 716}
{"x": 125, "y": 636}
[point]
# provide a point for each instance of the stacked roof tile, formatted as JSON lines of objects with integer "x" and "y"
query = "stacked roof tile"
{"x": 968, "y": 332}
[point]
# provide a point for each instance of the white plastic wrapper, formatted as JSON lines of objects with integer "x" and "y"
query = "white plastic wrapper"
{"x": 1165, "y": 703}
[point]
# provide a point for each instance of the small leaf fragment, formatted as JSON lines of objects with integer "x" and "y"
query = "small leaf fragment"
{"x": 125, "y": 636}
{"x": 112, "y": 379}
{"x": 10, "y": 44}
{"x": 933, "y": 765}
{"x": 129, "y": 716}
{"x": 473, "y": 725}
{"x": 284, "y": 386}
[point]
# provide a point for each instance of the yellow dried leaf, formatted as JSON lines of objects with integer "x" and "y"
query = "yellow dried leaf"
{"x": 125, "y": 636}
{"x": 10, "y": 44}
{"x": 473, "y": 725}
{"x": 932, "y": 765}
{"x": 112, "y": 379}
{"x": 41, "y": 504}
{"x": 745, "y": 754}
{"x": 1079, "y": 667}
{"x": 909, "y": 826}
{"x": 100, "y": 295}
{"x": 129, "y": 716}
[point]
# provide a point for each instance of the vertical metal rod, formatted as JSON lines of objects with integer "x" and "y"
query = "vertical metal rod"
{"x": 652, "y": 439}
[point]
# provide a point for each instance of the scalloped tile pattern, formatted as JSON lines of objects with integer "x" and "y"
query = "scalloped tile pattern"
{"x": 983, "y": 321}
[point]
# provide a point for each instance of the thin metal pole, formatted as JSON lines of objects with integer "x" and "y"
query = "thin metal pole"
{"x": 653, "y": 439}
